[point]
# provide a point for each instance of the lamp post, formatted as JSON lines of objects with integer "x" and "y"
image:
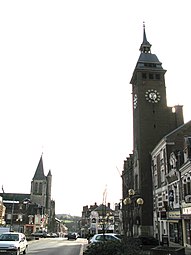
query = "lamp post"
{"x": 131, "y": 202}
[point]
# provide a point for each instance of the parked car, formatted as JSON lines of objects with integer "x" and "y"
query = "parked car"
{"x": 13, "y": 243}
{"x": 105, "y": 237}
{"x": 53, "y": 235}
{"x": 40, "y": 234}
{"x": 72, "y": 236}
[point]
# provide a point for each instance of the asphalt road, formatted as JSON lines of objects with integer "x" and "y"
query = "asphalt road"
{"x": 58, "y": 246}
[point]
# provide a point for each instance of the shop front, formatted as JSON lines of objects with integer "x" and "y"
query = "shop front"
{"x": 186, "y": 219}
{"x": 175, "y": 227}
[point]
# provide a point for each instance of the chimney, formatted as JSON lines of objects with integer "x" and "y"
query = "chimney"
{"x": 178, "y": 110}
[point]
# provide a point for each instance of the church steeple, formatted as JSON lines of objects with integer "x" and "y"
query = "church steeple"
{"x": 39, "y": 174}
{"x": 145, "y": 46}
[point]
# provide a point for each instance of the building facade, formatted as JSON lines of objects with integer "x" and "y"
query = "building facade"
{"x": 166, "y": 159}
{"x": 184, "y": 168}
{"x": 152, "y": 119}
{"x": 2, "y": 212}
{"x": 100, "y": 219}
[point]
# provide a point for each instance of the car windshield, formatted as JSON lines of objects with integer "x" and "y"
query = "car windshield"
{"x": 119, "y": 236}
{"x": 9, "y": 237}
{"x": 100, "y": 237}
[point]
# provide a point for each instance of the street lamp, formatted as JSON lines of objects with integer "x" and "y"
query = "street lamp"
{"x": 132, "y": 201}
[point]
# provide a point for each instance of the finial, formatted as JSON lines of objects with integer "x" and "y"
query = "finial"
{"x": 42, "y": 150}
{"x": 145, "y": 46}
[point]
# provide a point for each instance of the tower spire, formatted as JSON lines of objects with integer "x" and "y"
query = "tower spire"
{"x": 39, "y": 174}
{"x": 145, "y": 46}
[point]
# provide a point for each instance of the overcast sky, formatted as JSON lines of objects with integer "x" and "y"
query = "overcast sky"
{"x": 65, "y": 69}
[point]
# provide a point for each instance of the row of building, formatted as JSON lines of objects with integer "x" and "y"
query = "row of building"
{"x": 33, "y": 212}
{"x": 99, "y": 219}
{"x": 171, "y": 169}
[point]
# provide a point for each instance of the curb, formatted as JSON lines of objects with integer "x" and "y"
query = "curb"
{"x": 81, "y": 249}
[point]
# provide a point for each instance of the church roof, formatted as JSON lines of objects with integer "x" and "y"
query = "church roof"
{"x": 14, "y": 196}
{"x": 39, "y": 174}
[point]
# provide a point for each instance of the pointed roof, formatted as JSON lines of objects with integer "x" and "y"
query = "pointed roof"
{"x": 146, "y": 60}
{"x": 39, "y": 174}
{"x": 145, "y": 46}
{"x": 49, "y": 173}
{"x": 146, "y": 57}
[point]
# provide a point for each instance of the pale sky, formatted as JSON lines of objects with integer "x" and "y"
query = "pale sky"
{"x": 65, "y": 70}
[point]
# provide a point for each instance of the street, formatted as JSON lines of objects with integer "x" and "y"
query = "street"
{"x": 58, "y": 246}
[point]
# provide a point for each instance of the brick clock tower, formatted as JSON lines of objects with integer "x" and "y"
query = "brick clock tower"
{"x": 152, "y": 119}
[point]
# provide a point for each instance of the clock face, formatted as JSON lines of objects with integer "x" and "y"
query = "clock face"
{"x": 135, "y": 101}
{"x": 152, "y": 96}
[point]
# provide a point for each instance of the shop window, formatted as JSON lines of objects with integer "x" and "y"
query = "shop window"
{"x": 188, "y": 232}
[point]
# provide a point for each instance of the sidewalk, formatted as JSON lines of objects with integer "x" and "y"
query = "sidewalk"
{"x": 187, "y": 249}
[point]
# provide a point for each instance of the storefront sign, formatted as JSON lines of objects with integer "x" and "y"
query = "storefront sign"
{"x": 174, "y": 215}
{"x": 186, "y": 210}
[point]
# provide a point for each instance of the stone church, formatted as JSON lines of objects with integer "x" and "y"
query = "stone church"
{"x": 41, "y": 187}
{"x": 31, "y": 212}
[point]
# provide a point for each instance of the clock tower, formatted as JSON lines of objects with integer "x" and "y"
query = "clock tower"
{"x": 152, "y": 119}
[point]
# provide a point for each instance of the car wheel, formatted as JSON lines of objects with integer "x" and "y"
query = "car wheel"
{"x": 25, "y": 251}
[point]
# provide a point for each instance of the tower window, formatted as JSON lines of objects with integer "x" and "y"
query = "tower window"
{"x": 40, "y": 188}
{"x": 149, "y": 64}
{"x": 151, "y": 76}
{"x": 157, "y": 76}
{"x": 144, "y": 76}
{"x": 35, "y": 187}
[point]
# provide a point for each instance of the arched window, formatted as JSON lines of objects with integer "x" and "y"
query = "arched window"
{"x": 40, "y": 188}
{"x": 35, "y": 188}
